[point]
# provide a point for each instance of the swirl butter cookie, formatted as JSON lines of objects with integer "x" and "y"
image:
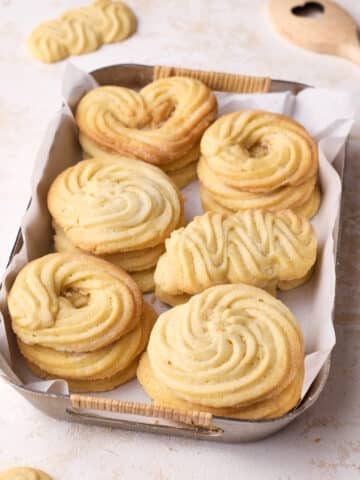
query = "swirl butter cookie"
{"x": 144, "y": 279}
{"x": 86, "y": 386}
{"x": 134, "y": 261}
{"x": 115, "y": 205}
{"x": 140, "y": 264}
{"x": 259, "y": 151}
{"x": 232, "y": 350}
{"x": 272, "y": 407}
{"x": 217, "y": 195}
{"x": 161, "y": 124}
{"x": 24, "y": 473}
{"x": 255, "y": 247}
{"x": 181, "y": 171}
{"x": 310, "y": 207}
{"x": 81, "y": 30}
{"x": 103, "y": 363}
{"x": 72, "y": 302}
{"x": 281, "y": 199}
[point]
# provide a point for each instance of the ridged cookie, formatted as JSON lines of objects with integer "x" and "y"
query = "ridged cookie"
{"x": 102, "y": 363}
{"x": 256, "y": 247}
{"x": 160, "y": 124}
{"x": 184, "y": 175}
{"x": 230, "y": 347}
{"x": 86, "y": 386}
{"x": 110, "y": 206}
{"x": 181, "y": 171}
{"x": 259, "y": 151}
{"x": 72, "y": 302}
{"x": 216, "y": 194}
{"x": 24, "y": 473}
{"x": 303, "y": 200}
{"x": 140, "y": 264}
{"x": 310, "y": 208}
{"x": 81, "y": 30}
{"x": 263, "y": 409}
{"x": 135, "y": 261}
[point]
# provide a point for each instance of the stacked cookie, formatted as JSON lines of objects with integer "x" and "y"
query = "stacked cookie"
{"x": 256, "y": 159}
{"x": 162, "y": 124}
{"x": 257, "y": 247}
{"x": 79, "y": 318}
{"x": 232, "y": 350}
{"x": 119, "y": 209}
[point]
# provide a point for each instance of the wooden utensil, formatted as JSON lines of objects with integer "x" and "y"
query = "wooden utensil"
{"x": 321, "y": 26}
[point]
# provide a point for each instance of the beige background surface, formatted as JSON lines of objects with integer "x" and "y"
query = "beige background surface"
{"x": 229, "y": 35}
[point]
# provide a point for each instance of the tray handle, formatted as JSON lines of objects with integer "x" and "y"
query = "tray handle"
{"x": 225, "y": 82}
{"x": 195, "y": 418}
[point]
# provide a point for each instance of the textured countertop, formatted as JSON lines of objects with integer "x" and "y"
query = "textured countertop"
{"x": 229, "y": 35}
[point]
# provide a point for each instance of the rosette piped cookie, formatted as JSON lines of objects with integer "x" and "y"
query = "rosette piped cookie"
{"x": 74, "y": 303}
{"x": 140, "y": 264}
{"x": 162, "y": 124}
{"x": 232, "y": 350}
{"x": 181, "y": 171}
{"x": 79, "y": 318}
{"x": 266, "y": 249}
{"x": 81, "y": 30}
{"x": 256, "y": 159}
{"x": 103, "y": 369}
{"x": 121, "y": 209}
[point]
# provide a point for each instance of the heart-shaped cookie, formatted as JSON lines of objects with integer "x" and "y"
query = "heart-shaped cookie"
{"x": 159, "y": 125}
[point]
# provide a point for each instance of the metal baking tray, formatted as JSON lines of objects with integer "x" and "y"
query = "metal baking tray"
{"x": 222, "y": 429}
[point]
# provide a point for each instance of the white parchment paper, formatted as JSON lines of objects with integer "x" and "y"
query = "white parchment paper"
{"x": 328, "y": 115}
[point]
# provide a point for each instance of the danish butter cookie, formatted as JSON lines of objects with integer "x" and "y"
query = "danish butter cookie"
{"x": 99, "y": 385}
{"x": 259, "y": 151}
{"x": 72, "y": 302}
{"x": 135, "y": 261}
{"x": 311, "y": 206}
{"x": 217, "y": 193}
{"x": 144, "y": 279}
{"x": 255, "y": 247}
{"x": 140, "y": 264}
{"x": 24, "y": 473}
{"x": 267, "y": 408}
{"x": 102, "y": 363}
{"x": 161, "y": 124}
{"x": 81, "y": 30}
{"x": 115, "y": 205}
{"x": 184, "y": 175}
{"x": 181, "y": 171}
{"x": 281, "y": 199}
{"x": 232, "y": 347}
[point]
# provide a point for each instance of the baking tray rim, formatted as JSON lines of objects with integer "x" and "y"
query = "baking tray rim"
{"x": 322, "y": 377}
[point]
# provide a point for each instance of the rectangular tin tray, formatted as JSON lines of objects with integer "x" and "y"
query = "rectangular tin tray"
{"x": 141, "y": 417}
